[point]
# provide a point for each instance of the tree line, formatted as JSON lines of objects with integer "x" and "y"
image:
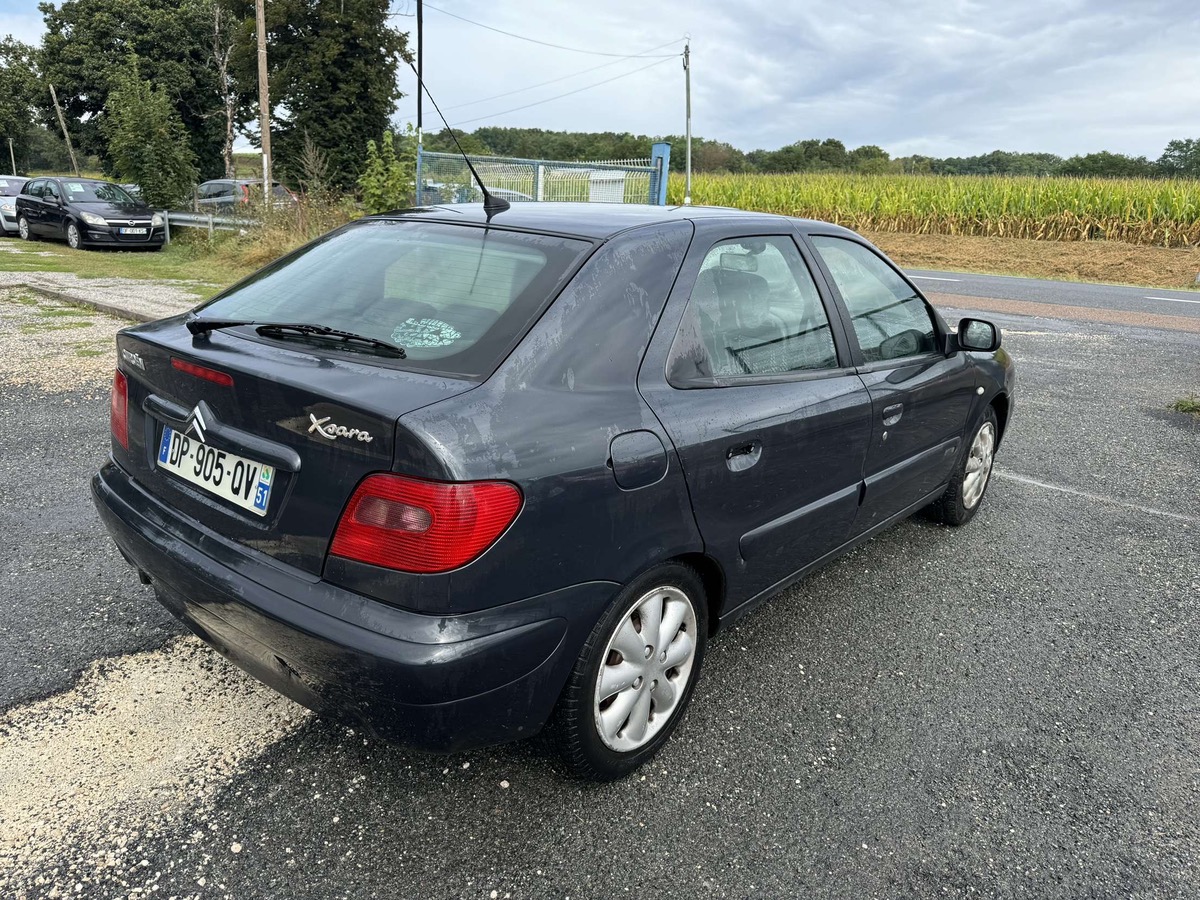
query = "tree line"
{"x": 156, "y": 91}
{"x": 164, "y": 86}
{"x": 1180, "y": 158}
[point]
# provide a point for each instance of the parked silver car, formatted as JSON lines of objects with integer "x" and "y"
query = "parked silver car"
{"x": 10, "y": 186}
{"x": 231, "y": 194}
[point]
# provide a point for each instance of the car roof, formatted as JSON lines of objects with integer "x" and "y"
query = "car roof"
{"x": 594, "y": 220}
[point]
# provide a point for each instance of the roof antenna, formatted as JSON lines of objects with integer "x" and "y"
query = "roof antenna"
{"x": 491, "y": 204}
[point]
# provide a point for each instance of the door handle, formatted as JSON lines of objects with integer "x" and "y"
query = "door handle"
{"x": 892, "y": 414}
{"x": 741, "y": 457}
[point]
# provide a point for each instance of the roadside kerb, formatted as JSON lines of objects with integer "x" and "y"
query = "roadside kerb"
{"x": 133, "y": 300}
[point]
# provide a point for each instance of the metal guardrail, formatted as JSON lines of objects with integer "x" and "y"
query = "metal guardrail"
{"x": 205, "y": 220}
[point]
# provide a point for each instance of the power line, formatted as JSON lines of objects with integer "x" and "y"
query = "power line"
{"x": 521, "y": 37}
{"x": 567, "y": 94}
{"x": 551, "y": 81}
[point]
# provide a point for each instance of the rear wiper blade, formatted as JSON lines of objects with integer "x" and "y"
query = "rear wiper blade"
{"x": 199, "y": 325}
{"x": 282, "y": 329}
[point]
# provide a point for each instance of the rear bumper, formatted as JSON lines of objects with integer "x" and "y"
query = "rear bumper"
{"x": 441, "y": 683}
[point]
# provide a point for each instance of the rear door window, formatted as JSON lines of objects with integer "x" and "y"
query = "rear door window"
{"x": 457, "y": 298}
{"x": 754, "y": 312}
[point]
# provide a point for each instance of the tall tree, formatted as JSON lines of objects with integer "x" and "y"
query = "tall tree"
{"x": 86, "y": 48}
{"x": 1181, "y": 159}
{"x": 332, "y": 69}
{"x": 146, "y": 141}
{"x": 19, "y": 86}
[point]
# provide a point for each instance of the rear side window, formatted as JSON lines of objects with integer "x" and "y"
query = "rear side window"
{"x": 457, "y": 298}
{"x": 890, "y": 320}
{"x": 754, "y": 311}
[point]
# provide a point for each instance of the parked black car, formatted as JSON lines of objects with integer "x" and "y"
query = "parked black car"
{"x": 10, "y": 186}
{"x": 458, "y": 476}
{"x": 86, "y": 212}
{"x": 226, "y": 194}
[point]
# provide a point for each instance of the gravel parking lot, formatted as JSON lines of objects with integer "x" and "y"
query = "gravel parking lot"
{"x": 1007, "y": 710}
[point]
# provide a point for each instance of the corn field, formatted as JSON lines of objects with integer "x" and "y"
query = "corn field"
{"x": 1162, "y": 213}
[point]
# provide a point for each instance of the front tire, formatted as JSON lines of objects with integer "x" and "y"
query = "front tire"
{"x": 964, "y": 496}
{"x": 635, "y": 674}
{"x": 74, "y": 239}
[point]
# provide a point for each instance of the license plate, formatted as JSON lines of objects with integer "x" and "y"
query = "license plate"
{"x": 234, "y": 478}
{"x": 133, "y": 231}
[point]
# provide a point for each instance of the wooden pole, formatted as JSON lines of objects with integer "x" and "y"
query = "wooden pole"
{"x": 11, "y": 157}
{"x": 63, "y": 124}
{"x": 264, "y": 103}
{"x": 687, "y": 76}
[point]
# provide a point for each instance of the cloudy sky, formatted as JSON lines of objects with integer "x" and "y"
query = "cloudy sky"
{"x": 938, "y": 77}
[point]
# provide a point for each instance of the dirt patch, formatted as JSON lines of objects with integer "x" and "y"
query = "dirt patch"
{"x": 136, "y": 746}
{"x": 1109, "y": 262}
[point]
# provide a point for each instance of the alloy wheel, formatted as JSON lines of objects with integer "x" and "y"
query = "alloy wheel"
{"x": 73, "y": 236}
{"x": 979, "y": 465}
{"x": 646, "y": 667}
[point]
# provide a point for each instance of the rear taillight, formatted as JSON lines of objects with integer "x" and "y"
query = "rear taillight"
{"x": 423, "y": 526}
{"x": 120, "y": 408}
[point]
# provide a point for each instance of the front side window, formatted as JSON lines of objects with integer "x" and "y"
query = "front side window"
{"x": 754, "y": 311}
{"x": 890, "y": 320}
{"x": 50, "y": 191}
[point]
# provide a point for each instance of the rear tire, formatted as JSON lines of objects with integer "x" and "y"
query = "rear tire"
{"x": 964, "y": 496}
{"x": 24, "y": 230}
{"x": 635, "y": 674}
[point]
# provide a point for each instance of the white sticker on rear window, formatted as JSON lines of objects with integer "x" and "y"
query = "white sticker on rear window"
{"x": 74, "y": 188}
{"x": 424, "y": 333}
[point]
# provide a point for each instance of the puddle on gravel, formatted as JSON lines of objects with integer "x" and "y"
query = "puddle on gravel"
{"x": 135, "y": 746}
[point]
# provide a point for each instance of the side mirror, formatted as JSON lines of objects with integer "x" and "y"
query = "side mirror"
{"x": 978, "y": 334}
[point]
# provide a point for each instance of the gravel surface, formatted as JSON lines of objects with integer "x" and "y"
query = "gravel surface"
{"x": 139, "y": 299}
{"x": 66, "y": 595}
{"x": 1005, "y": 710}
{"x": 78, "y": 771}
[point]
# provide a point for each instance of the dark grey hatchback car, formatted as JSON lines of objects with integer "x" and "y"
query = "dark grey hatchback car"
{"x": 457, "y": 478}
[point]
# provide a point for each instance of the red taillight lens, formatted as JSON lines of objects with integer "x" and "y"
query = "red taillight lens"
{"x": 423, "y": 526}
{"x": 204, "y": 372}
{"x": 120, "y": 408}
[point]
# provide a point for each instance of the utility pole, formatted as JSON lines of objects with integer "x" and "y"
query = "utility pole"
{"x": 419, "y": 200}
{"x": 264, "y": 103}
{"x": 12, "y": 158}
{"x": 687, "y": 80}
{"x": 62, "y": 123}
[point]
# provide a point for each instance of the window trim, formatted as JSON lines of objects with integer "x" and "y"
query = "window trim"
{"x": 842, "y": 349}
{"x": 861, "y": 363}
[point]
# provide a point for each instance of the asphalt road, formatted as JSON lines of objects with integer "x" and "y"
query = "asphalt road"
{"x": 1006, "y": 710}
{"x": 1060, "y": 293}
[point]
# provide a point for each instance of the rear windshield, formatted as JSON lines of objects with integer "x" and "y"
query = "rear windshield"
{"x": 96, "y": 192}
{"x": 455, "y": 297}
